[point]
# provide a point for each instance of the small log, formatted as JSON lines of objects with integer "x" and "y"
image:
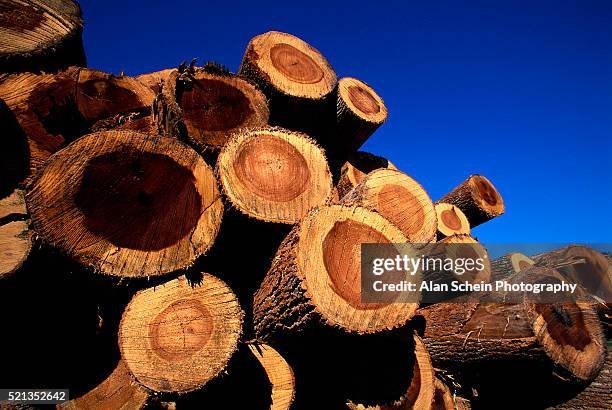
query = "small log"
{"x": 127, "y": 204}
{"x": 205, "y": 107}
{"x": 279, "y": 374}
{"x": 40, "y": 35}
{"x": 509, "y": 264}
{"x": 177, "y": 338}
{"x": 359, "y": 112}
{"x": 155, "y": 80}
{"x": 118, "y": 391}
{"x": 15, "y": 237}
{"x": 451, "y": 221}
{"x": 400, "y": 199}
{"x": 356, "y": 168}
{"x": 315, "y": 277}
{"x": 296, "y": 78}
{"x": 420, "y": 394}
{"x": 274, "y": 175}
{"x": 477, "y": 198}
{"x": 566, "y": 336}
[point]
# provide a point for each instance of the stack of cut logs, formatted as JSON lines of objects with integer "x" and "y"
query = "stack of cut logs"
{"x": 190, "y": 238}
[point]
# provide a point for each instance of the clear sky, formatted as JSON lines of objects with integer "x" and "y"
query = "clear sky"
{"x": 519, "y": 91}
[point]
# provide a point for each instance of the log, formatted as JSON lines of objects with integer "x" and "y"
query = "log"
{"x": 477, "y": 198}
{"x": 509, "y": 264}
{"x": 565, "y": 336}
{"x": 356, "y": 168}
{"x": 582, "y": 265}
{"x": 443, "y": 398}
{"x": 177, "y": 338}
{"x": 118, "y": 391}
{"x": 398, "y": 198}
{"x": 205, "y": 107}
{"x": 127, "y": 204}
{"x": 40, "y": 35}
{"x": 315, "y": 277}
{"x": 274, "y": 175}
{"x": 279, "y": 374}
{"x": 155, "y": 80}
{"x": 15, "y": 236}
{"x": 596, "y": 395}
{"x": 451, "y": 221}
{"x": 295, "y": 77}
{"x": 359, "y": 112}
{"x": 420, "y": 393}
{"x": 14, "y": 156}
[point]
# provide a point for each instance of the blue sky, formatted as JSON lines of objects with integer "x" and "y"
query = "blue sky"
{"x": 519, "y": 91}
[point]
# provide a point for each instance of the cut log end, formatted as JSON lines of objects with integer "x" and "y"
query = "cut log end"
{"x": 118, "y": 391}
{"x": 127, "y": 204}
{"x": 465, "y": 246}
{"x": 451, "y": 221}
{"x": 38, "y": 35}
{"x": 15, "y": 237}
{"x": 212, "y": 106}
{"x": 279, "y": 374}
{"x": 155, "y": 80}
{"x": 477, "y": 198}
{"x": 280, "y": 62}
{"x": 357, "y": 167}
{"x": 274, "y": 175}
{"x": 443, "y": 398}
{"x": 400, "y": 199}
{"x": 176, "y": 338}
{"x": 359, "y": 112}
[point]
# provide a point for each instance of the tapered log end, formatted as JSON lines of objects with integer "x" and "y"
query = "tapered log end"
{"x": 401, "y": 200}
{"x": 274, "y": 175}
{"x": 38, "y": 35}
{"x": 127, "y": 204}
{"x": 280, "y": 62}
{"x": 117, "y": 391}
{"x": 329, "y": 255}
{"x": 279, "y": 374}
{"x": 451, "y": 220}
{"x": 176, "y": 338}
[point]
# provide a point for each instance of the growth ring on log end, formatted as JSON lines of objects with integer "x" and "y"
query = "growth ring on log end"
{"x": 127, "y": 204}
{"x": 40, "y": 35}
{"x": 282, "y": 63}
{"x": 176, "y": 338}
{"x": 273, "y": 174}
{"x": 400, "y": 199}
{"x": 318, "y": 268}
{"x": 211, "y": 107}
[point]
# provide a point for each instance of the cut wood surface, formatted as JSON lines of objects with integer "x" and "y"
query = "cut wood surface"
{"x": 356, "y": 167}
{"x": 273, "y": 174}
{"x": 119, "y": 391}
{"x": 509, "y": 264}
{"x": 420, "y": 394}
{"x": 451, "y": 221}
{"x": 279, "y": 374}
{"x": 316, "y": 275}
{"x": 398, "y": 198}
{"x": 15, "y": 236}
{"x": 176, "y": 338}
{"x": 359, "y": 112}
{"x": 295, "y": 77}
{"x": 565, "y": 334}
{"x": 40, "y": 35}
{"x": 127, "y": 204}
{"x": 205, "y": 107}
{"x": 155, "y": 80}
{"x": 443, "y": 398}
{"x": 477, "y": 198}
{"x": 582, "y": 265}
